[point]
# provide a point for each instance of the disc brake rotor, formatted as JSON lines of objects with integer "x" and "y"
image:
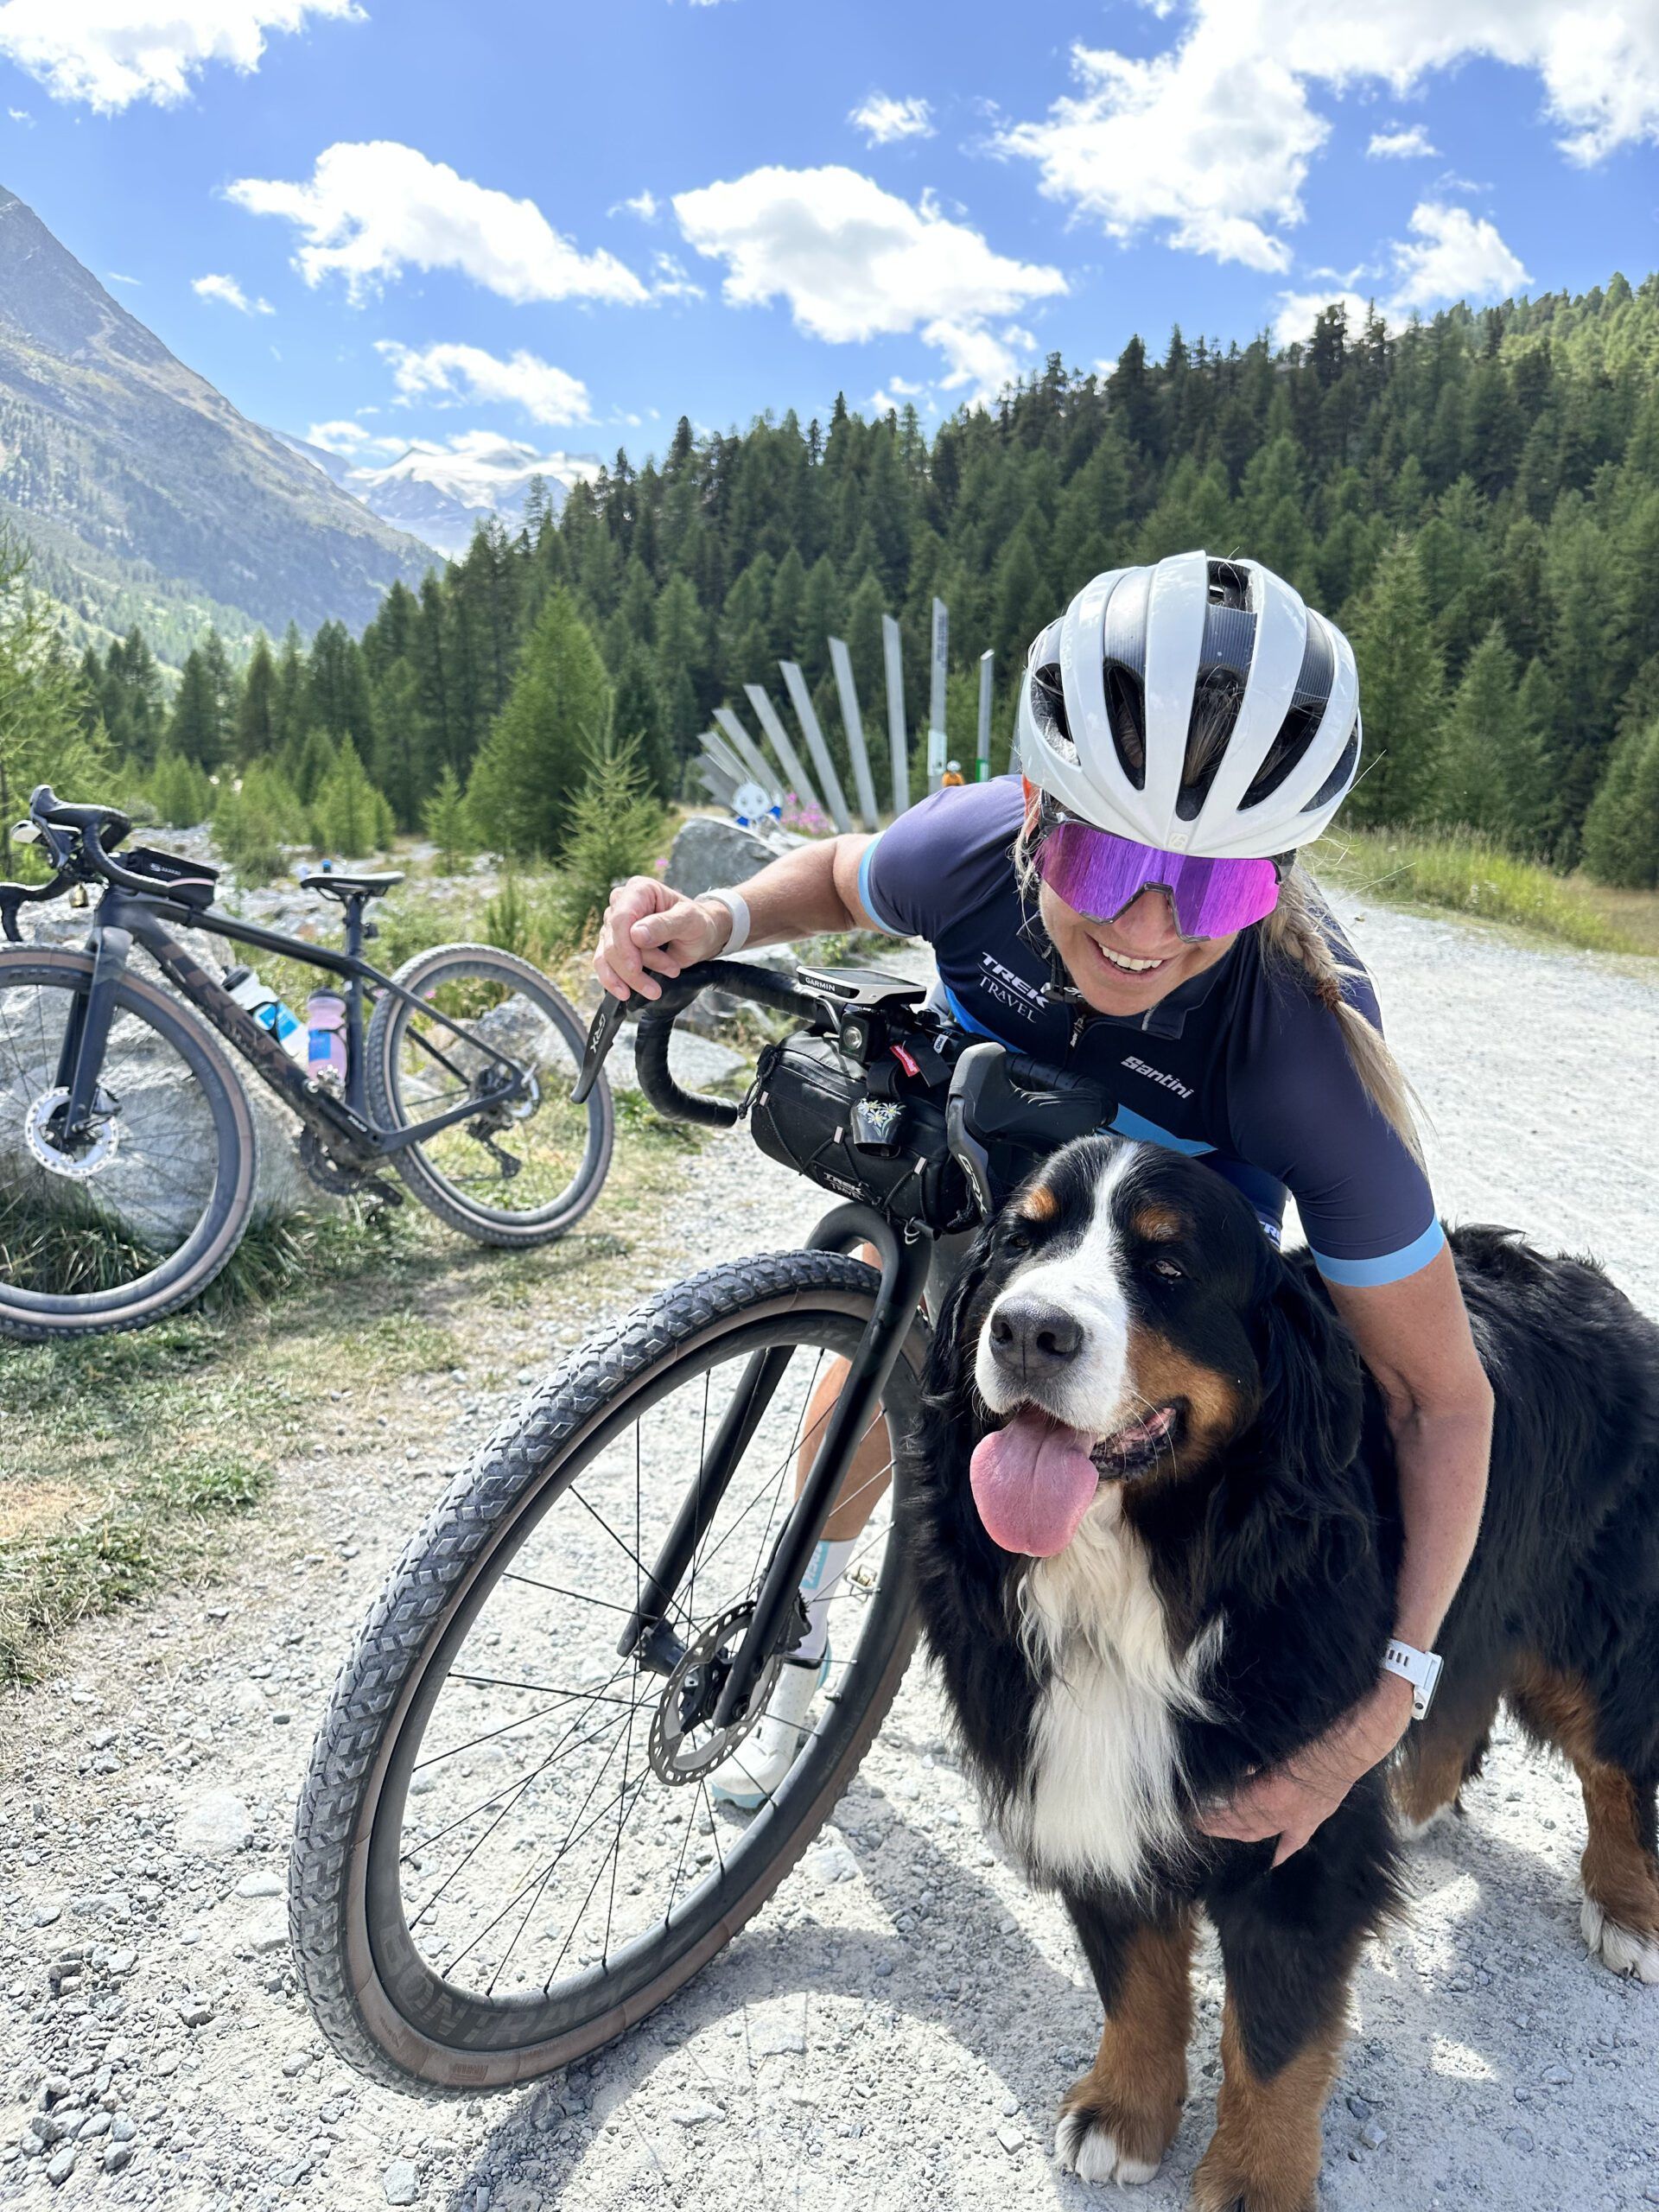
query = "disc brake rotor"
{"x": 103, "y": 1142}
{"x": 683, "y": 1744}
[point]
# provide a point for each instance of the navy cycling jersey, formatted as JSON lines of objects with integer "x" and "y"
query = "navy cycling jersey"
{"x": 1241, "y": 1065}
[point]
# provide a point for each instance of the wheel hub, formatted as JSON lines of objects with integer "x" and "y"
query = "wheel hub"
{"x": 684, "y": 1744}
{"x": 41, "y": 1133}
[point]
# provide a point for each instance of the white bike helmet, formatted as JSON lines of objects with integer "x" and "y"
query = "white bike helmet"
{"x": 1198, "y": 706}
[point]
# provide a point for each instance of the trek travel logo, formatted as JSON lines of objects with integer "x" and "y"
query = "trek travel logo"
{"x": 1008, "y": 989}
{"x": 1155, "y": 1075}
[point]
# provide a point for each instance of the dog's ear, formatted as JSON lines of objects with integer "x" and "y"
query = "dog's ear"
{"x": 1312, "y": 1392}
{"x": 951, "y": 1362}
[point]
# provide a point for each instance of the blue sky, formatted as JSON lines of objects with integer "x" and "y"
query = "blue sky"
{"x": 414, "y": 221}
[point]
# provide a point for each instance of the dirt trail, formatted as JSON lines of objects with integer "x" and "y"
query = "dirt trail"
{"x": 894, "y": 2031}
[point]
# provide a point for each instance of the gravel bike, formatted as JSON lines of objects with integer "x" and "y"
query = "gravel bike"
{"x": 127, "y": 1145}
{"x": 505, "y": 1851}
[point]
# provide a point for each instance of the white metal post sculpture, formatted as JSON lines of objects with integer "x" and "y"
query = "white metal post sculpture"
{"x": 893, "y": 655}
{"x": 983, "y": 748}
{"x": 852, "y": 722}
{"x": 936, "y": 741}
{"x": 778, "y": 737}
{"x": 754, "y": 758}
{"x": 801, "y": 699}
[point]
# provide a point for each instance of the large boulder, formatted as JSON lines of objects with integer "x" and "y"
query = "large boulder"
{"x": 709, "y": 853}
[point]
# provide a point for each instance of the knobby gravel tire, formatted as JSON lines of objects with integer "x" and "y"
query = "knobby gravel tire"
{"x": 41, "y": 1318}
{"x": 448, "y": 1568}
{"x": 385, "y": 1032}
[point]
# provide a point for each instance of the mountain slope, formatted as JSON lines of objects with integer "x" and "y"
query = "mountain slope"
{"x": 148, "y": 495}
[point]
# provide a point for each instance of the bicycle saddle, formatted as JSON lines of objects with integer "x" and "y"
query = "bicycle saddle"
{"x": 338, "y": 884}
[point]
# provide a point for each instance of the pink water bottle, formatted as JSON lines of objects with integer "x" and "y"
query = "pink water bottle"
{"x": 325, "y": 1019}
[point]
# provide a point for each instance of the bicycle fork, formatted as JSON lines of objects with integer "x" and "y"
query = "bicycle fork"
{"x": 773, "y": 1626}
{"x": 86, "y": 1033}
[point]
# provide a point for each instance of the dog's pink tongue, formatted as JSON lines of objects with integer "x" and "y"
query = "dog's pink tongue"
{"x": 1034, "y": 1481}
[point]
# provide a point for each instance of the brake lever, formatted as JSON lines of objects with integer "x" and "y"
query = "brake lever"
{"x": 986, "y": 1100}
{"x": 601, "y": 1035}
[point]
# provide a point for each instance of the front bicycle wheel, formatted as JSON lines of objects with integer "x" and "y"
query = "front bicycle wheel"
{"x": 524, "y": 1168}
{"x": 507, "y": 1853}
{"x": 116, "y": 1224}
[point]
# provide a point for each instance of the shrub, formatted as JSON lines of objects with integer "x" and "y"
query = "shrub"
{"x": 616, "y": 830}
{"x": 447, "y": 822}
{"x": 255, "y": 819}
{"x": 349, "y": 817}
{"x": 180, "y": 792}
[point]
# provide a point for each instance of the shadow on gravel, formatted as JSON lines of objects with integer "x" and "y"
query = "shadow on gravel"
{"x": 901, "y": 1975}
{"x": 1431, "y": 2072}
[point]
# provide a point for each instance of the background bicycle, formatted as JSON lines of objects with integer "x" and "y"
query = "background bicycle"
{"x": 126, "y": 1141}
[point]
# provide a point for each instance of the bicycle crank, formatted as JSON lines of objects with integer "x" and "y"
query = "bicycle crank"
{"x": 684, "y": 1746}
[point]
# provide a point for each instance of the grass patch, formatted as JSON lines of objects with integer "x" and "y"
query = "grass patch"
{"x": 1467, "y": 874}
{"x": 156, "y": 1528}
{"x": 128, "y": 1466}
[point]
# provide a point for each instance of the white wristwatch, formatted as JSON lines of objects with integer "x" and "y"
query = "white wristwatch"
{"x": 1420, "y": 1668}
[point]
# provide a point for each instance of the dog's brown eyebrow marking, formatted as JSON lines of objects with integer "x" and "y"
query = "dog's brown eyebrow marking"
{"x": 1157, "y": 1225}
{"x": 1040, "y": 1204}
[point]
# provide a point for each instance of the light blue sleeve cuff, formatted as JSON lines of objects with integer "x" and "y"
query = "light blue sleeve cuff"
{"x": 867, "y": 901}
{"x": 1391, "y": 1267}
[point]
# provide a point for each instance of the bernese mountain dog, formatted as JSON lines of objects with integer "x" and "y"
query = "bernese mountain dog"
{"x": 1153, "y": 1513}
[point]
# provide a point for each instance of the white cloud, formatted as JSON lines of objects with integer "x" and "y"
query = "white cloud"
{"x": 1401, "y": 145}
{"x": 452, "y": 373}
{"x": 646, "y": 204}
{"x": 229, "y": 294}
{"x": 1598, "y": 64}
{"x": 109, "y": 53}
{"x": 1208, "y": 144}
{"x": 1453, "y": 256}
{"x": 885, "y": 120}
{"x": 114, "y": 277}
{"x": 855, "y": 262}
{"x": 670, "y": 280}
{"x": 21, "y": 115}
{"x": 1299, "y": 311}
{"x": 373, "y": 210}
{"x": 350, "y": 440}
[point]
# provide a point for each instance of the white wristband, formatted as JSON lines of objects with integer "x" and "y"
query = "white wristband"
{"x": 738, "y": 907}
{"x": 1420, "y": 1668}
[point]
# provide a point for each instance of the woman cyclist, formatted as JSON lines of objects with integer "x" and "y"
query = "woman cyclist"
{"x": 1132, "y": 907}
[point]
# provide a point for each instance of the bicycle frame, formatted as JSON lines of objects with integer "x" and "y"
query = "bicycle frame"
{"x": 774, "y": 1625}
{"x": 123, "y": 919}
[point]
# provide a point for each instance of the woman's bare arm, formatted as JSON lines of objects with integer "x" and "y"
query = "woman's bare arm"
{"x": 650, "y": 930}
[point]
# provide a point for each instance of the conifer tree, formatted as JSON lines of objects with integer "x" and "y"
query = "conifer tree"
{"x": 448, "y": 823}
{"x": 524, "y": 781}
{"x": 349, "y": 817}
{"x": 1478, "y": 744}
{"x": 1401, "y": 688}
{"x": 616, "y": 829}
{"x": 256, "y": 708}
{"x": 195, "y": 729}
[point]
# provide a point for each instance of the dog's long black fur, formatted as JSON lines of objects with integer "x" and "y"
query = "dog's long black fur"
{"x": 1288, "y": 1531}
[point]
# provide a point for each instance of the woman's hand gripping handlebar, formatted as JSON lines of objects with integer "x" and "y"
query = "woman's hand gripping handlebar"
{"x": 656, "y": 1020}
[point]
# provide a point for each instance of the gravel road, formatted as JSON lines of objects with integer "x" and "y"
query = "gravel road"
{"x": 895, "y": 2029}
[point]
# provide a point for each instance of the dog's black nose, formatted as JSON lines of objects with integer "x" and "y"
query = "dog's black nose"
{"x": 1030, "y": 1337}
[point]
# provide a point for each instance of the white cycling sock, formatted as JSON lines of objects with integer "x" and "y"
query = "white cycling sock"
{"x": 820, "y": 1585}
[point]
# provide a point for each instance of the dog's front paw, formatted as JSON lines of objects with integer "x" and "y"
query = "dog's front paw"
{"x": 1624, "y": 1950}
{"x": 1221, "y": 2185}
{"x": 1085, "y": 2145}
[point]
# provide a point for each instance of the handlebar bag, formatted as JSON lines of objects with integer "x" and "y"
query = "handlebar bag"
{"x": 801, "y": 1113}
{"x": 191, "y": 882}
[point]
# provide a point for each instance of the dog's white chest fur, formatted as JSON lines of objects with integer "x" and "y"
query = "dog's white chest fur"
{"x": 1102, "y": 1777}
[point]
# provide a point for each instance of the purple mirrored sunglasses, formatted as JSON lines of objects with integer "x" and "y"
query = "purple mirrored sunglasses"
{"x": 1099, "y": 874}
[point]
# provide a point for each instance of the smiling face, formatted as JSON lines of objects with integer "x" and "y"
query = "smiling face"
{"x": 1127, "y": 966}
{"x": 1109, "y": 1335}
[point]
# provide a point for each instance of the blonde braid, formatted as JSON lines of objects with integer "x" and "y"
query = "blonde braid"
{"x": 1292, "y": 934}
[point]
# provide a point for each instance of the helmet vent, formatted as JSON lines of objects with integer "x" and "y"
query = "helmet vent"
{"x": 1340, "y": 776}
{"x": 1229, "y": 585}
{"x": 1124, "y": 670}
{"x": 1048, "y": 709}
{"x": 1303, "y": 717}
